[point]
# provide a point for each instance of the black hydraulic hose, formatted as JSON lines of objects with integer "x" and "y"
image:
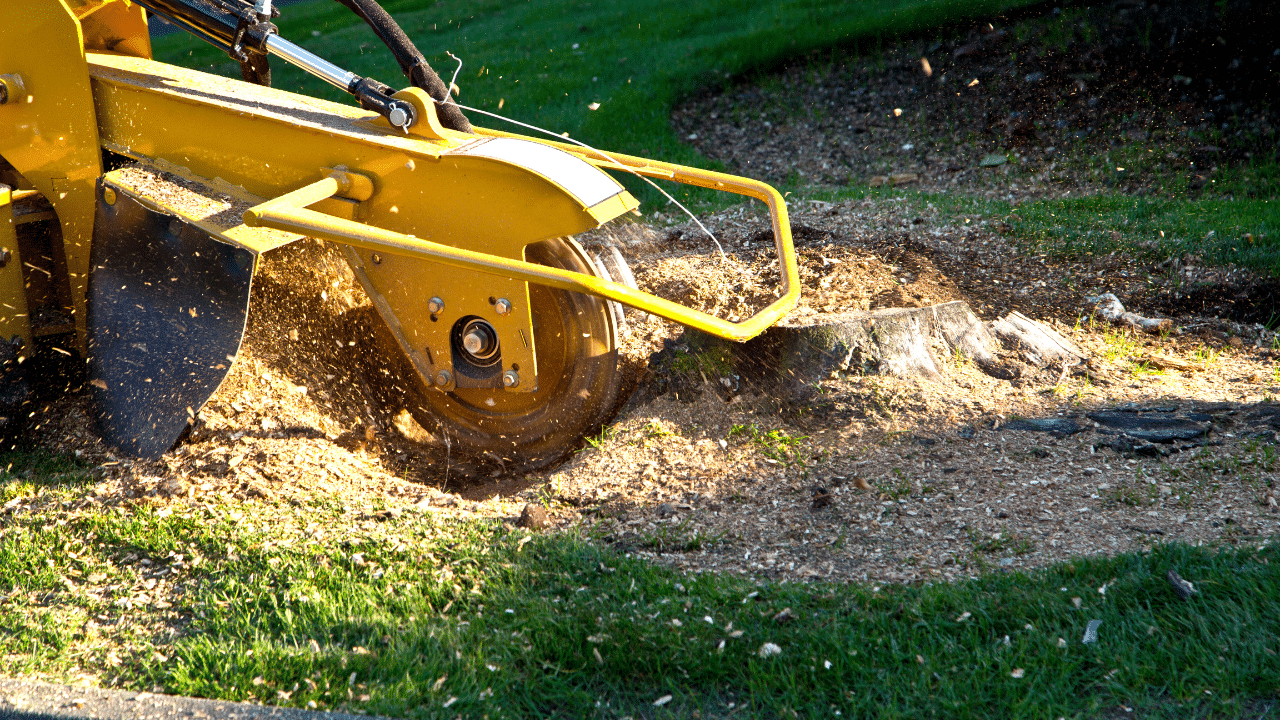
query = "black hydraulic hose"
{"x": 412, "y": 62}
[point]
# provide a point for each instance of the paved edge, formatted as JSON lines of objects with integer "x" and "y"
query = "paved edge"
{"x": 28, "y": 700}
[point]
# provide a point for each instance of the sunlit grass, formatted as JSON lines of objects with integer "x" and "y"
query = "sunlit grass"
{"x": 411, "y": 615}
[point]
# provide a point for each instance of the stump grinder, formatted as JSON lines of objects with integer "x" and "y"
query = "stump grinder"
{"x": 136, "y": 198}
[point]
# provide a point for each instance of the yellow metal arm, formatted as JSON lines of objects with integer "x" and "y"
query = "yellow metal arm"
{"x": 289, "y": 213}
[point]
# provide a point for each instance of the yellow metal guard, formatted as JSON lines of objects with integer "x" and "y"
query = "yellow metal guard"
{"x": 289, "y": 213}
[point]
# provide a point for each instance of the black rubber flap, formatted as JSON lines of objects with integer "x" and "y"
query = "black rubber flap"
{"x": 167, "y": 308}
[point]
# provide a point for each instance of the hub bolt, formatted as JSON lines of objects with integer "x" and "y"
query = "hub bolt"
{"x": 435, "y": 305}
{"x": 502, "y": 306}
{"x": 479, "y": 341}
{"x": 510, "y": 378}
{"x": 444, "y": 377}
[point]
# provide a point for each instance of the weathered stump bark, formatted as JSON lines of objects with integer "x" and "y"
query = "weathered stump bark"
{"x": 1037, "y": 344}
{"x": 798, "y": 354}
{"x": 898, "y": 341}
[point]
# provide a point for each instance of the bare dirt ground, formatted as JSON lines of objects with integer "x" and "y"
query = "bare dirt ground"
{"x": 863, "y": 476}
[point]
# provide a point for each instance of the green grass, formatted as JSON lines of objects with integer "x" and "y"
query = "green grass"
{"x": 1220, "y": 231}
{"x": 1243, "y": 231}
{"x": 546, "y": 61}
{"x": 414, "y": 616}
{"x": 778, "y": 445}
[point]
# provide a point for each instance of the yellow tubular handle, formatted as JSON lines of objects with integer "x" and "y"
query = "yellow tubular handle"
{"x": 288, "y": 213}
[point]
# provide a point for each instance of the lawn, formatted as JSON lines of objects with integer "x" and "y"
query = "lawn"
{"x": 402, "y": 612}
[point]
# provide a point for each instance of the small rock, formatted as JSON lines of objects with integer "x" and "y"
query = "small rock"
{"x": 784, "y": 615}
{"x": 994, "y": 159}
{"x": 821, "y": 498}
{"x": 1035, "y": 77}
{"x": 534, "y": 517}
{"x": 1184, "y": 588}
{"x": 666, "y": 510}
{"x": 1091, "y": 632}
{"x": 878, "y": 180}
{"x": 897, "y": 179}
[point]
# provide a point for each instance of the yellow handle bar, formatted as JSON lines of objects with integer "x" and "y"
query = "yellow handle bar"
{"x": 289, "y": 213}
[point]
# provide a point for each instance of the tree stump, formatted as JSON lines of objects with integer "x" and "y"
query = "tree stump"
{"x": 898, "y": 341}
{"x": 796, "y": 354}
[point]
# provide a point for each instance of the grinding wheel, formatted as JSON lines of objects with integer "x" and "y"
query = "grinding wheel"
{"x": 578, "y": 379}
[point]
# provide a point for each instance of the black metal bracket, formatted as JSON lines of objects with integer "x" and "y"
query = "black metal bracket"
{"x": 166, "y": 313}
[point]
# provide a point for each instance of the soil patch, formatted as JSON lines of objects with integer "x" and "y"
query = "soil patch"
{"x": 1145, "y": 98}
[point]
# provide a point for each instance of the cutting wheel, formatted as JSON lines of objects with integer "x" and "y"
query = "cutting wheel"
{"x": 578, "y": 378}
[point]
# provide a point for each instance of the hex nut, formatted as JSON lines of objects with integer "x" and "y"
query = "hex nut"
{"x": 510, "y": 378}
{"x": 444, "y": 377}
{"x": 435, "y": 305}
{"x": 502, "y": 306}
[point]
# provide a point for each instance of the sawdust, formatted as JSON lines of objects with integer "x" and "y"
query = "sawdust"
{"x": 734, "y": 486}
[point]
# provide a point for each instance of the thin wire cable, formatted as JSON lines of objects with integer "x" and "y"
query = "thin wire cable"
{"x": 453, "y": 81}
{"x": 601, "y": 153}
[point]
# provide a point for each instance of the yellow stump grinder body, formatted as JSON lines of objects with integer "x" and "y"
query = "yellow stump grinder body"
{"x": 500, "y": 323}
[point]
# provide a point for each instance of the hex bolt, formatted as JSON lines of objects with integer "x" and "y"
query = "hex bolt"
{"x": 435, "y": 305}
{"x": 376, "y": 258}
{"x": 474, "y": 343}
{"x": 502, "y": 306}
{"x": 444, "y": 377}
{"x": 510, "y": 378}
{"x": 5, "y": 256}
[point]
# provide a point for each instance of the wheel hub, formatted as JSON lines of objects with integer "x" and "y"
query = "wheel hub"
{"x": 478, "y": 342}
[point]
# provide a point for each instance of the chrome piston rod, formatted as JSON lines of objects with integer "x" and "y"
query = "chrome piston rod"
{"x": 310, "y": 62}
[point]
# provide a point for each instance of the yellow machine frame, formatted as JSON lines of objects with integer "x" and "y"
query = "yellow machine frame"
{"x": 413, "y": 208}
